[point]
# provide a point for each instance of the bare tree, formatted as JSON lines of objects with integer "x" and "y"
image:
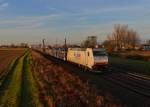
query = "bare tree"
{"x": 119, "y": 35}
{"x": 132, "y": 38}
{"x": 122, "y": 37}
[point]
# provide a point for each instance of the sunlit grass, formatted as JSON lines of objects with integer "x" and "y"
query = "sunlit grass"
{"x": 132, "y": 65}
{"x": 18, "y": 87}
{"x": 30, "y": 92}
{"x": 12, "y": 93}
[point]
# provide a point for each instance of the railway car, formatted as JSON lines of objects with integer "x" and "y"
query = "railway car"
{"x": 59, "y": 53}
{"x": 88, "y": 57}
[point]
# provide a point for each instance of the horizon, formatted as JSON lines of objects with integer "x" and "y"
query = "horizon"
{"x": 32, "y": 20}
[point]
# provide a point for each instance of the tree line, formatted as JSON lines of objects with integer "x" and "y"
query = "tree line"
{"x": 122, "y": 38}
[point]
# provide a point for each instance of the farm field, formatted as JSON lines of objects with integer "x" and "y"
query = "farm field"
{"x": 142, "y": 53}
{"x": 135, "y": 55}
{"x": 31, "y": 80}
{"x": 6, "y": 56}
{"x": 17, "y": 88}
{"x": 136, "y": 66}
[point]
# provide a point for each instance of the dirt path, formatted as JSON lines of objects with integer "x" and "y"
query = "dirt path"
{"x": 18, "y": 88}
{"x": 11, "y": 92}
{"x": 29, "y": 88}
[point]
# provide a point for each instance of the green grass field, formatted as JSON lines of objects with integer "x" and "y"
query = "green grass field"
{"x": 18, "y": 88}
{"x": 131, "y": 65}
{"x": 12, "y": 91}
{"x": 29, "y": 91}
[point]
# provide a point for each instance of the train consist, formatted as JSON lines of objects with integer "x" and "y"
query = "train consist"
{"x": 85, "y": 57}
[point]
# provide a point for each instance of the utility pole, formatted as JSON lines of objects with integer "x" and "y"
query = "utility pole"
{"x": 56, "y": 47}
{"x": 43, "y": 45}
{"x": 65, "y": 48}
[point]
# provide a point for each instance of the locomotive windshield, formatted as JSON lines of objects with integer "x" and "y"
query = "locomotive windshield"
{"x": 99, "y": 53}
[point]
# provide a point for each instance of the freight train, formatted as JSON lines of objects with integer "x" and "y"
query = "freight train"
{"x": 92, "y": 59}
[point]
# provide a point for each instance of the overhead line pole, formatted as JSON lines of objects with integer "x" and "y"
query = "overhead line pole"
{"x": 65, "y": 48}
{"x": 43, "y": 45}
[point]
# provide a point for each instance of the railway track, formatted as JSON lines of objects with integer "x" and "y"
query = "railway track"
{"x": 137, "y": 83}
{"x": 128, "y": 81}
{"x": 140, "y": 81}
{"x": 140, "y": 76}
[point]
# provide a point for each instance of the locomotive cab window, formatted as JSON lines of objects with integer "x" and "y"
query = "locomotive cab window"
{"x": 99, "y": 53}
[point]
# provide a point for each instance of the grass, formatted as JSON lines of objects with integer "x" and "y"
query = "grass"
{"x": 18, "y": 88}
{"x": 29, "y": 92}
{"x": 131, "y": 65}
{"x": 12, "y": 92}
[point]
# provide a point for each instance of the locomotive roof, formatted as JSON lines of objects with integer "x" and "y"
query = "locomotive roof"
{"x": 84, "y": 49}
{"x": 78, "y": 49}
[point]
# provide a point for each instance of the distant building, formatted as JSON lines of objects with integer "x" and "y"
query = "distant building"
{"x": 91, "y": 42}
{"x": 146, "y": 47}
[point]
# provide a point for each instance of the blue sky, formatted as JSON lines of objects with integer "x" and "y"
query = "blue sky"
{"x": 31, "y": 20}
